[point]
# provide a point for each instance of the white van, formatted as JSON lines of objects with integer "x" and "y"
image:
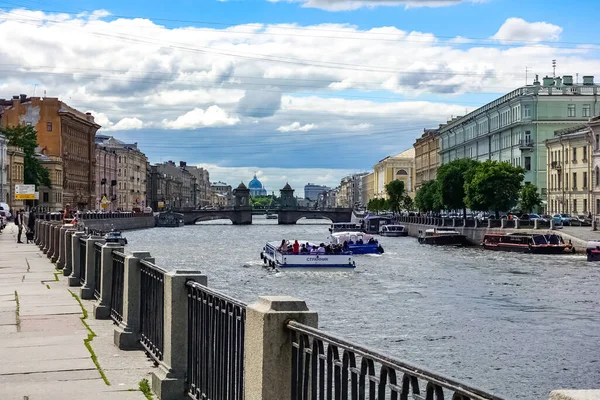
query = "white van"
{"x": 4, "y": 207}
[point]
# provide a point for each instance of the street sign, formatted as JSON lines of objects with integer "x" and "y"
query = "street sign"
{"x": 24, "y": 192}
{"x": 37, "y": 196}
{"x": 161, "y": 204}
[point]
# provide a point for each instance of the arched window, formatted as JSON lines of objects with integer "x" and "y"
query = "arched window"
{"x": 401, "y": 172}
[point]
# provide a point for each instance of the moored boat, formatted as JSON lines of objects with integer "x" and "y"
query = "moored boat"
{"x": 542, "y": 243}
{"x": 169, "y": 219}
{"x": 357, "y": 242}
{"x": 593, "y": 251}
{"x": 271, "y": 216}
{"x": 442, "y": 237}
{"x": 115, "y": 237}
{"x": 273, "y": 256}
{"x": 343, "y": 227}
{"x": 393, "y": 230}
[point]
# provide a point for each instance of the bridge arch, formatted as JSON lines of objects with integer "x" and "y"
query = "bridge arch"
{"x": 206, "y": 218}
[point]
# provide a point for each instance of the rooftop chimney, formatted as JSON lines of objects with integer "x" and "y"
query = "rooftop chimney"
{"x": 182, "y": 164}
{"x": 588, "y": 80}
{"x": 568, "y": 80}
{"x": 548, "y": 81}
{"x": 23, "y": 98}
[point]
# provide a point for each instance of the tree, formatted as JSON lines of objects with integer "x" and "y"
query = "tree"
{"x": 25, "y": 137}
{"x": 494, "y": 186}
{"x": 428, "y": 197}
{"x": 377, "y": 205}
{"x": 452, "y": 178}
{"x": 530, "y": 198}
{"x": 395, "y": 192}
{"x": 407, "y": 203}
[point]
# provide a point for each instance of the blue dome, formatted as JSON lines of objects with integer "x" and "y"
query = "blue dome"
{"x": 255, "y": 184}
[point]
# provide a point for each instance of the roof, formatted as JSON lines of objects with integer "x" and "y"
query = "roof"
{"x": 410, "y": 153}
{"x": 287, "y": 187}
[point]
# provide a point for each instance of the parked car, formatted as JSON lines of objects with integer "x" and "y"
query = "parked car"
{"x": 583, "y": 220}
{"x": 3, "y": 218}
{"x": 565, "y": 219}
{"x": 509, "y": 216}
{"x": 533, "y": 217}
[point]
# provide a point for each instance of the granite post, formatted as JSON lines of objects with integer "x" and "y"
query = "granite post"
{"x": 168, "y": 381}
{"x": 56, "y": 243}
{"x": 102, "y": 308}
{"x": 268, "y": 346}
{"x": 68, "y": 243}
{"x": 74, "y": 278}
{"x": 87, "y": 290}
{"x": 46, "y": 237}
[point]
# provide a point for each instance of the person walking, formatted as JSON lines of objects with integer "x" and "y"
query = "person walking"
{"x": 19, "y": 223}
{"x": 31, "y": 221}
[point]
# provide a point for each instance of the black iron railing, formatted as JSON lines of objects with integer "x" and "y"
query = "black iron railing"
{"x": 82, "y": 258}
{"x": 97, "y": 269}
{"x": 327, "y": 367}
{"x": 152, "y": 309}
{"x": 118, "y": 286}
{"x": 216, "y": 324}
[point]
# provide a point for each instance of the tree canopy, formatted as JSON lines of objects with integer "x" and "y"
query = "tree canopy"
{"x": 395, "y": 192}
{"x": 25, "y": 137}
{"x": 530, "y": 198}
{"x": 494, "y": 186}
{"x": 428, "y": 197}
{"x": 451, "y": 178}
{"x": 377, "y": 205}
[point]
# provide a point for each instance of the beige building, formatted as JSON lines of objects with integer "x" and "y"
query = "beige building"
{"x": 15, "y": 176}
{"x": 399, "y": 167}
{"x": 51, "y": 199}
{"x": 427, "y": 157}
{"x": 344, "y": 193}
{"x": 570, "y": 167}
{"x": 593, "y": 132}
{"x": 367, "y": 191}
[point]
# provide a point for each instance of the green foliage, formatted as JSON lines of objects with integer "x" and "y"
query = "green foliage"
{"x": 144, "y": 386}
{"x": 407, "y": 203}
{"x": 262, "y": 201}
{"x": 377, "y": 205}
{"x": 428, "y": 197}
{"x": 530, "y": 198}
{"x": 452, "y": 178}
{"x": 494, "y": 186}
{"x": 395, "y": 192}
{"x": 25, "y": 137}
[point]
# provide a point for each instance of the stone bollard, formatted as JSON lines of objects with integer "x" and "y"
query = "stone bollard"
{"x": 51, "y": 238}
{"x": 594, "y": 224}
{"x": 56, "y": 243}
{"x": 60, "y": 264}
{"x": 503, "y": 223}
{"x": 40, "y": 234}
{"x": 46, "y": 237}
{"x": 37, "y": 229}
{"x": 87, "y": 290}
{"x": 517, "y": 223}
{"x": 489, "y": 223}
{"x": 536, "y": 224}
{"x": 268, "y": 346}
{"x": 102, "y": 308}
{"x": 68, "y": 243}
{"x": 127, "y": 333}
{"x": 168, "y": 381}
{"x": 75, "y": 277}
{"x": 552, "y": 227}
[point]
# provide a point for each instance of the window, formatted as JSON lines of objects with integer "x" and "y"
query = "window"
{"x": 574, "y": 180}
{"x": 527, "y": 163}
{"x": 597, "y": 176}
{"x": 49, "y": 126}
{"x": 584, "y": 205}
{"x": 566, "y": 157}
{"x": 597, "y": 143}
{"x": 45, "y": 197}
{"x": 566, "y": 180}
{"x": 584, "y": 153}
{"x": 585, "y": 183}
{"x": 574, "y": 206}
{"x": 574, "y": 154}
{"x": 527, "y": 111}
{"x": 586, "y": 110}
{"x": 571, "y": 110}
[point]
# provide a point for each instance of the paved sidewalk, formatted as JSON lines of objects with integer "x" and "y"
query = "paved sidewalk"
{"x": 42, "y": 350}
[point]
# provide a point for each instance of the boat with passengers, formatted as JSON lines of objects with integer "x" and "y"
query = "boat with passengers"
{"x": 344, "y": 226}
{"x": 309, "y": 256}
{"x": 393, "y": 230}
{"x": 542, "y": 243}
{"x": 593, "y": 250}
{"x": 357, "y": 242}
{"x": 442, "y": 237}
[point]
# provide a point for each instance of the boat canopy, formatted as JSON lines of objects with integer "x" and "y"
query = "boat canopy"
{"x": 394, "y": 228}
{"x": 592, "y": 244}
{"x": 341, "y": 237}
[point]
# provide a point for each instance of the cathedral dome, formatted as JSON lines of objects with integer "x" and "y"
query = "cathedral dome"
{"x": 255, "y": 184}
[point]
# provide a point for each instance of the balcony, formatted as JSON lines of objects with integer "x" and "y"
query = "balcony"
{"x": 556, "y": 165}
{"x": 526, "y": 144}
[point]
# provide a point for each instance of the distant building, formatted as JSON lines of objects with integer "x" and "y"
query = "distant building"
{"x": 15, "y": 176}
{"x": 594, "y": 138}
{"x": 367, "y": 190}
{"x": 3, "y": 169}
{"x": 51, "y": 198}
{"x": 203, "y": 190}
{"x": 179, "y": 183}
{"x": 165, "y": 188}
{"x": 225, "y": 194}
{"x": 350, "y": 190}
{"x": 312, "y": 191}
{"x": 399, "y": 167}
{"x": 256, "y": 187}
{"x": 106, "y": 177}
{"x": 426, "y": 156}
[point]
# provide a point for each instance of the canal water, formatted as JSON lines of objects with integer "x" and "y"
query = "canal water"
{"x": 515, "y": 324}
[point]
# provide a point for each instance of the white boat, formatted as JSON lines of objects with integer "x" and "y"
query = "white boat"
{"x": 357, "y": 242}
{"x": 273, "y": 257}
{"x": 442, "y": 236}
{"x": 393, "y": 230}
{"x": 343, "y": 227}
{"x": 271, "y": 216}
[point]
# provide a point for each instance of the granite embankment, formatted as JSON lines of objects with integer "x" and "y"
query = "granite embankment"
{"x": 143, "y": 221}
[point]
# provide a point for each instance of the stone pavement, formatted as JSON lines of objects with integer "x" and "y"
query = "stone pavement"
{"x": 42, "y": 349}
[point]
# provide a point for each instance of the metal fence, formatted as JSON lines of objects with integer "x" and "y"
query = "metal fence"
{"x": 97, "y": 269}
{"x": 118, "y": 286}
{"x": 152, "y": 309}
{"x": 216, "y": 324}
{"x": 82, "y": 258}
{"x": 327, "y": 367}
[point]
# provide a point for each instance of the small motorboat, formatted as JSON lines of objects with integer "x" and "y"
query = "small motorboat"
{"x": 527, "y": 243}
{"x": 443, "y": 237}
{"x": 393, "y": 230}
{"x": 343, "y": 227}
{"x": 273, "y": 257}
{"x": 593, "y": 251}
{"x": 169, "y": 219}
{"x": 115, "y": 237}
{"x": 357, "y": 242}
{"x": 271, "y": 216}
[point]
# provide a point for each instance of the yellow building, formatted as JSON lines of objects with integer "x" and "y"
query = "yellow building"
{"x": 51, "y": 199}
{"x": 427, "y": 158}
{"x": 367, "y": 188}
{"x": 399, "y": 167}
{"x": 15, "y": 176}
{"x": 344, "y": 193}
{"x": 569, "y": 157}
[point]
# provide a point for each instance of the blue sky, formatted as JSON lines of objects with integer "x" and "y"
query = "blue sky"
{"x": 322, "y": 88}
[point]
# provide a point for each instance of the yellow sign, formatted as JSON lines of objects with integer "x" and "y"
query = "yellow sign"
{"x": 20, "y": 196}
{"x": 104, "y": 201}
{"x": 104, "y": 205}
{"x": 161, "y": 204}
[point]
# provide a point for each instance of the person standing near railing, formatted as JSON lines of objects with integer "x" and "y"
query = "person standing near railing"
{"x": 19, "y": 223}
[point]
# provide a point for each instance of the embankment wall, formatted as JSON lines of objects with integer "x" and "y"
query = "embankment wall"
{"x": 120, "y": 224}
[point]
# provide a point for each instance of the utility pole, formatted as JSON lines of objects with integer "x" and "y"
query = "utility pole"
{"x": 554, "y": 68}
{"x": 526, "y": 75}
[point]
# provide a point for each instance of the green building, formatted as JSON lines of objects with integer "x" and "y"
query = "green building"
{"x": 514, "y": 127}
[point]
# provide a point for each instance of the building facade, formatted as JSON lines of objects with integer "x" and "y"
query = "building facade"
{"x": 427, "y": 160}
{"x": 203, "y": 191}
{"x": 399, "y": 167}
{"x": 176, "y": 186}
{"x": 256, "y": 187}
{"x": 515, "y": 127}
{"x": 367, "y": 192}
{"x": 344, "y": 192}
{"x": 570, "y": 167}
{"x": 222, "y": 194}
{"x": 593, "y": 132}
{"x": 4, "y": 167}
{"x": 106, "y": 178}
{"x": 312, "y": 191}
{"x": 165, "y": 192}
{"x": 62, "y": 132}
{"x": 15, "y": 176}
{"x": 51, "y": 198}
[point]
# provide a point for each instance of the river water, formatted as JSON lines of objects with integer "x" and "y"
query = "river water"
{"x": 518, "y": 325}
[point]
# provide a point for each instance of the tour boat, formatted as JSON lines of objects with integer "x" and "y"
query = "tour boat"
{"x": 442, "y": 236}
{"x": 593, "y": 251}
{"x": 357, "y": 242}
{"x": 274, "y": 258}
{"x": 393, "y": 230}
{"x": 527, "y": 243}
{"x": 115, "y": 237}
{"x": 343, "y": 227}
{"x": 169, "y": 219}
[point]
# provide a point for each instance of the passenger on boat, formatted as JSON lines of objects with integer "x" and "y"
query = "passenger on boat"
{"x": 296, "y": 247}
{"x": 304, "y": 250}
{"x": 372, "y": 241}
{"x": 308, "y": 247}
{"x": 359, "y": 241}
{"x": 284, "y": 247}
{"x": 345, "y": 245}
{"x": 321, "y": 249}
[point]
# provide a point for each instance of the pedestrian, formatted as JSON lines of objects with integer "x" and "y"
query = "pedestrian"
{"x": 19, "y": 223}
{"x": 67, "y": 213}
{"x": 31, "y": 221}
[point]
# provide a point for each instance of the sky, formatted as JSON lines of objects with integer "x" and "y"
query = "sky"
{"x": 294, "y": 91}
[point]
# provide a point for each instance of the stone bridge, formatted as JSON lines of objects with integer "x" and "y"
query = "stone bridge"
{"x": 237, "y": 217}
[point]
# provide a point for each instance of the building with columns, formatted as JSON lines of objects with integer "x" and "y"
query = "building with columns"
{"x": 399, "y": 167}
{"x": 593, "y": 132}
{"x": 427, "y": 157}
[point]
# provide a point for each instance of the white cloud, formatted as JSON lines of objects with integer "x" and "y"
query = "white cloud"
{"x": 519, "y": 30}
{"x": 199, "y": 118}
{"x": 127, "y": 124}
{"x": 296, "y": 127}
{"x": 344, "y": 5}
